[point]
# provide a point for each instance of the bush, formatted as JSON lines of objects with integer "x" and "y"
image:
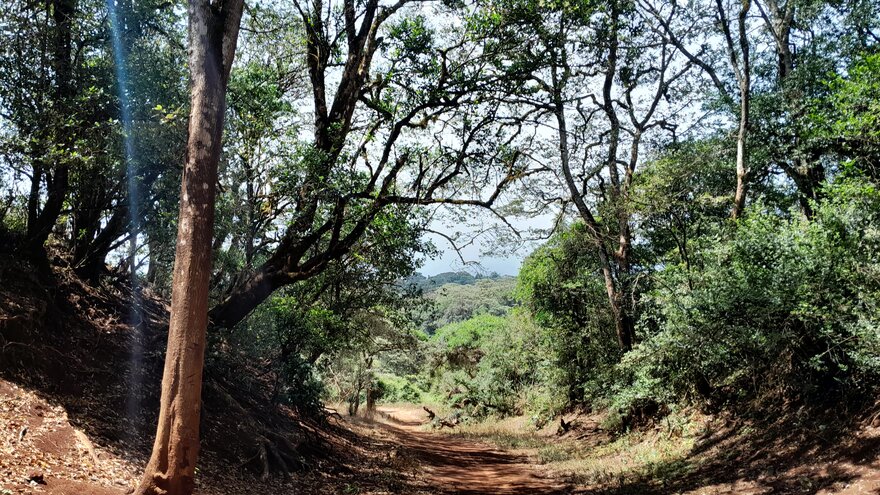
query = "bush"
{"x": 787, "y": 308}
{"x": 518, "y": 372}
{"x": 497, "y": 365}
{"x": 298, "y": 387}
{"x": 561, "y": 288}
{"x": 399, "y": 389}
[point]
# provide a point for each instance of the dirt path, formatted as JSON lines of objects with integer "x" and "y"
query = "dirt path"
{"x": 460, "y": 466}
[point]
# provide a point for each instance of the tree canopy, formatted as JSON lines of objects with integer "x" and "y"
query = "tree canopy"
{"x": 699, "y": 181}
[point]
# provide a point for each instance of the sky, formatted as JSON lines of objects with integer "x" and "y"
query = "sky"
{"x": 483, "y": 255}
{"x": 449, "y": 260}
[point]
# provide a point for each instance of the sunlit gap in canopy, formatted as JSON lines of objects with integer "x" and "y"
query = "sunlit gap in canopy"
{"x": 135, "y": 378}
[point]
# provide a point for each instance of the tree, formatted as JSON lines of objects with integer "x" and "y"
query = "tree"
{"x": 64, "y": 136}
{"x": 599, "y": 136}
{"x": 683, "y": 197}
{"x": 263, "y": 131}
{"x": 808, "y": 39}
{"x": 38, "y": 91}
{"x": 131, "y": 136}
{"x": 559, "y": 286}
{"x": 804, "y": 325}
{"x": 682, "y": 29}
{"x": 336, "y": 201}
{"x": 848, "y": 121}
{"x": 213, "y": 32}
{"x": 741, "y": 64}
{"x": 368, "y": 150}
{"x": 453, "y": 302}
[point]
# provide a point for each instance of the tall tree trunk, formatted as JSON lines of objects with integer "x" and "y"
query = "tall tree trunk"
{"x": 213, "y": 33}
{"x": 617, "y": 289}
{"x": 33, "y": 202}
{"x": 744, "y": 78}
{"x": 624, "y": 324}
{"x": 742, "y": 159}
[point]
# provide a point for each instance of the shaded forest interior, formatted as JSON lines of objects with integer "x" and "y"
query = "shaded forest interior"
{"x": 213, "y": 215}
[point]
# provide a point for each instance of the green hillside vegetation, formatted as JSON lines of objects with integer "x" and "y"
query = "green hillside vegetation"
{"x": 451, "y": 303}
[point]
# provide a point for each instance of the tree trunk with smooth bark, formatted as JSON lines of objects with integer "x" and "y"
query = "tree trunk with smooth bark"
{"x": 742, "y": 161}
{"x": 213, "y": 33}
{"x": 741, "y": 65}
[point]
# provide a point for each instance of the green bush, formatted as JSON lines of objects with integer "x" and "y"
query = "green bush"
{"x": 560, "y": 286}
{"x": 784, "y": 308}
{"x": 518, "y": 372}
{"x": 498, "y": 366}
{"x": 399, "y": 389}
{"x": 298, "y": 387}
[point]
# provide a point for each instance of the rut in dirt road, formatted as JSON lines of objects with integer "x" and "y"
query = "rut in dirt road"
{"x": 459, "y": 466}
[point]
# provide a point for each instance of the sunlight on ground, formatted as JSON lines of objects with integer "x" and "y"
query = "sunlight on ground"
{"x": 590, "y": 456}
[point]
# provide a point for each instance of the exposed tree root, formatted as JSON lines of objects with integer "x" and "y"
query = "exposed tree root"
{"x": 333, "y": 413}
{"x": 274, "y": 452}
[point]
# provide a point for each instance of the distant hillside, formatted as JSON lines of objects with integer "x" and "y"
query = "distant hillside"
{"x": 433, "y": 282}
{"x": 458, "y": 296}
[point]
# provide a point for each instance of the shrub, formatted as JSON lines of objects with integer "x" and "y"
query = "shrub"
{"x": 399, "y": 389}
{"x": 784, "y": 308}
{"x": 498, "y": 366}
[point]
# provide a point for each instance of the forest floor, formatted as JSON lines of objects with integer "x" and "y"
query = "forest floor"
{"x": 78, "y": 395}
{"x": 395, "y": 452}
{"x": 686, "y": 453}
{"x": 45, "y": 451}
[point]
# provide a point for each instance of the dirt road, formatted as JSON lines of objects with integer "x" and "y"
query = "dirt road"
{"x": 461, "y": 466}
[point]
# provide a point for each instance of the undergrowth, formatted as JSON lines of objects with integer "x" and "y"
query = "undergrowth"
{"x": 589, "y": 456}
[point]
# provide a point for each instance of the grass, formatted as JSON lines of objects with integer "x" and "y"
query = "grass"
{"x": 510, "y": 433}
{"x": 656, "y": 456}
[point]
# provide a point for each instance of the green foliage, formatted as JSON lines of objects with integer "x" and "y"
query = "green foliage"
{"x": 283, "y": 339}
{"x": 333, "y": 202}
{"x": 498, "y": 365}
{"x": 848, "y": 118}
{"x": 518, "y": 372}
{"x": 468, "y": 334}
{"x": 428, "y": 284}
{"x": 776, "y": 306}
{"x": 784, "y": 308}
{"x": 455, "y": 303}
{"x": 399, "y": 389}
{"x": 299, "y": 387}
{"x": 561, "y": 286}
{"x": 461, "y": 343}
{"x": 683, "y": 197}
